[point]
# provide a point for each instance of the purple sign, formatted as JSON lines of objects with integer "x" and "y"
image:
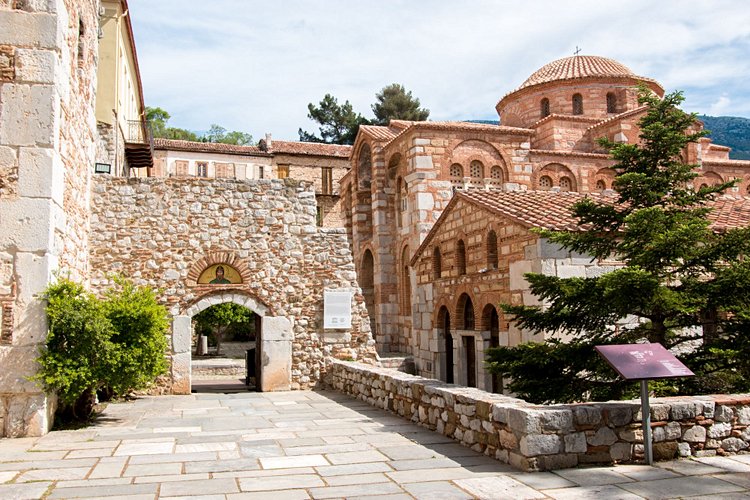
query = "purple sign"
{"x": 643, "y": 361}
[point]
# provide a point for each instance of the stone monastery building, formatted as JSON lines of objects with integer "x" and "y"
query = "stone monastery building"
{"x": 439, "y": 212}
{"x": 421, "y": 229}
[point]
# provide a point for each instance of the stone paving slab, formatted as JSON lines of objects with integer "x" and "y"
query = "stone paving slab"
{"x": 298, "y": 445}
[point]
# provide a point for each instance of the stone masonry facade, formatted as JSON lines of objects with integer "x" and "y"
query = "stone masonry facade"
{"x": 48, "y": 54}
{"x": 534, "y": 437}
{"x": 164, "y": 232}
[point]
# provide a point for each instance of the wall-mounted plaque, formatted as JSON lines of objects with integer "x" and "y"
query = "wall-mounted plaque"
{"x": 337, "y": 309}
{"x": 643, "y": 361}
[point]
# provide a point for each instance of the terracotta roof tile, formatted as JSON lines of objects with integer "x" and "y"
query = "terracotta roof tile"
{"x": 551, "y": 210}
{"x": 207, "y": 147}
{"x": 310, "y": 148}
{"x": 378, "y": 132}
{"x": 570, "y": 68}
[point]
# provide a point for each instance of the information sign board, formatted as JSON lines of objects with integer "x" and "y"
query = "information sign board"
{"x": 337, "y": 309}
{"x": 643, "y": 361}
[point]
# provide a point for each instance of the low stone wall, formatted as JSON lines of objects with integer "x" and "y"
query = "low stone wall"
{"x": 534, "y": 437}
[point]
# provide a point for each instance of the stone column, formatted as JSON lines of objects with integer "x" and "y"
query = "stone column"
{"x": 276, "y": 354}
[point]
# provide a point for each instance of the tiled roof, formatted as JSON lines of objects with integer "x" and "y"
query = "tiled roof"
{"x": 551, "y": 210}
{"x": 574, "y": 67}
{"x": 377, "y": 132}
{"x": 287, "y": 147}
{"x": 206, "y": 147}
{"x": 543, "y": 209}
{"x": 310, "y": 148}
{"x": 729, "y": 213}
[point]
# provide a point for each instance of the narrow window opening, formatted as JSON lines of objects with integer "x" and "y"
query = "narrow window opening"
{"x": 577, "y": 104}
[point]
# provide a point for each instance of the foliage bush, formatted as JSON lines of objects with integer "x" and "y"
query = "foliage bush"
{"x": 116, "y": 345}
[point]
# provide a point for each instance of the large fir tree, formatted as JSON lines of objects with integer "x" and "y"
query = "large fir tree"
{"x": 681, "y": 284}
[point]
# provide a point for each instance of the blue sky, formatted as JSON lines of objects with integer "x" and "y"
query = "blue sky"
{"x": 255, "y": 65}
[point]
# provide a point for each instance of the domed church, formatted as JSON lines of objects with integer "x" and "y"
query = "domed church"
{"x": 439, "y": 212}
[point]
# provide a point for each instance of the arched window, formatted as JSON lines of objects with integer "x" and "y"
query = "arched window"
{"x": 747, "y": 189}
{"x": 497, "y": 381}
{"x": 496, "y": 176}
{"x": 491, "y": 250}
{"x": 461, "y": 257}
{"x": 456, "y": 173}
{"x": 565, "y": 184}
{"x": 468, "y": 313}
{"x": 544, "y": 107}
{"x": 545, "y": 183}
{"x": 364, "y": 167}
{"x": 611, "y": 102}
{"x": 577, "y": 104}
{"x": 476, "y": 170}
{"x": 405, "y": 283}
{"x": 437, "y": 268}
{"x": 601, "y": 185}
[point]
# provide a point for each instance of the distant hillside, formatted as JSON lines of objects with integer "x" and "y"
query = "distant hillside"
{"x": 730, "y": 131}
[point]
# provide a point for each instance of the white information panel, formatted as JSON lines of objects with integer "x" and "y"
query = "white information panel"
{"x": 337, "y": 309}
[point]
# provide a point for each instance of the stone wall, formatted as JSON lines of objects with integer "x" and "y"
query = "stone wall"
{"x": 47, "y": 78}
{"x": 164, "y": 232}
{"x": 532, "y": 437}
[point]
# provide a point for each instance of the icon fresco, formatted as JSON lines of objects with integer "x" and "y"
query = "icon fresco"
{"x": 219, "y": 274}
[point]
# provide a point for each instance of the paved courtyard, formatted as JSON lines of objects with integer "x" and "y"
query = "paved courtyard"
{"x": 308, "y": 445}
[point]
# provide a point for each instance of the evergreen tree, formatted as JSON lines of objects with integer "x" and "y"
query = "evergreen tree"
{"x": 339, "y": 123}
{"x": 393, "y": 102}
{"x": 681, "y": 284}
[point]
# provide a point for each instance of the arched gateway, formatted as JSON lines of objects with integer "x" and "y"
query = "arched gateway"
{"x": 274, "y": 348}
{"x": 254, "y": 243}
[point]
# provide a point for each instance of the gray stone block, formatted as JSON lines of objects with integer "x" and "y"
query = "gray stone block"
{"x": 557, "y": 420}
{"x": 682, "y": 411}
{"x": 695, "y": 434}
{"x": 722, "y": 429}
{"x": 603, "y": 436}
{"x": 724, "y": 413}
{"x": 733, "y": 444}
{"x": 575, "y": 443}
{"x": 540, "y": 444}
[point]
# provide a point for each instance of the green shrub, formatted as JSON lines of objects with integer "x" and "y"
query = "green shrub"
{"x": 141, "y": 325}
{"x": 79, "y": 351}
{"x": 115, "y": 345}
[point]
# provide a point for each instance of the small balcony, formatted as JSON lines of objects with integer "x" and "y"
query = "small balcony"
{"x": 139, "y": 144}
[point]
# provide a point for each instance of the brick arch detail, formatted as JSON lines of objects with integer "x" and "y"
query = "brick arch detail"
{"x": 555, "y": 171}
{"x": 458, "y": 308}
{"x": 228, "y": 258}
{"x": 484, "y": 320}
{"x": 492, "y": 156}
{"x": 241, "y": 298}
{"x": 443, "y": 301}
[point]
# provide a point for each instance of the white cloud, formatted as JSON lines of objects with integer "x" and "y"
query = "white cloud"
{"x": 254, "y": 65}
{"x": 721, "y": 107}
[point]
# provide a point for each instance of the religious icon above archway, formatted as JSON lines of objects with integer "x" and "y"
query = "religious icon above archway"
{"x": 219, "y": 274}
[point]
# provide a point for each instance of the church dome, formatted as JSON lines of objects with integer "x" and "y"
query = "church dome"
{"x": 575, "y": 67}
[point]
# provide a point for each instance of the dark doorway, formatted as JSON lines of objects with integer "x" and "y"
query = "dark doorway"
{"x": 471, "y": 361}
{"x": 448, "y": 348}
{"x": 497, "y": 381}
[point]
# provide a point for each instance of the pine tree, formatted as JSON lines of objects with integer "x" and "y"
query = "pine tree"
{"x": 681, "y": 283}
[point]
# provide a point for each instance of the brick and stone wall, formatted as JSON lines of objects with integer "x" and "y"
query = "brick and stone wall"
{"x": 532, "y": 437}
{"x": 164, "y": 232}
{"x": 47, "y": 127}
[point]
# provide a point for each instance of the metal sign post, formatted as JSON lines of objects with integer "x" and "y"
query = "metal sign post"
{"x": 646, "y": 420}
{"x": 643, "y": 362}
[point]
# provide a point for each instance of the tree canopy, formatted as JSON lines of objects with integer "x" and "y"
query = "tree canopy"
{"x": 394, "y": 102}
{"x": 339, "y": 123}
{"x": 158, "y": 119}
{"x": 681, "y": 283}
{"x": 218, "y": 319}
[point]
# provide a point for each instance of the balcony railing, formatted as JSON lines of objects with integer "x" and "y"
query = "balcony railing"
{"x": 139, "y": 143}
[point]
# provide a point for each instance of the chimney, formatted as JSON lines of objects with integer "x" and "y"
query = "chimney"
{"x": 269, "y": 142}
